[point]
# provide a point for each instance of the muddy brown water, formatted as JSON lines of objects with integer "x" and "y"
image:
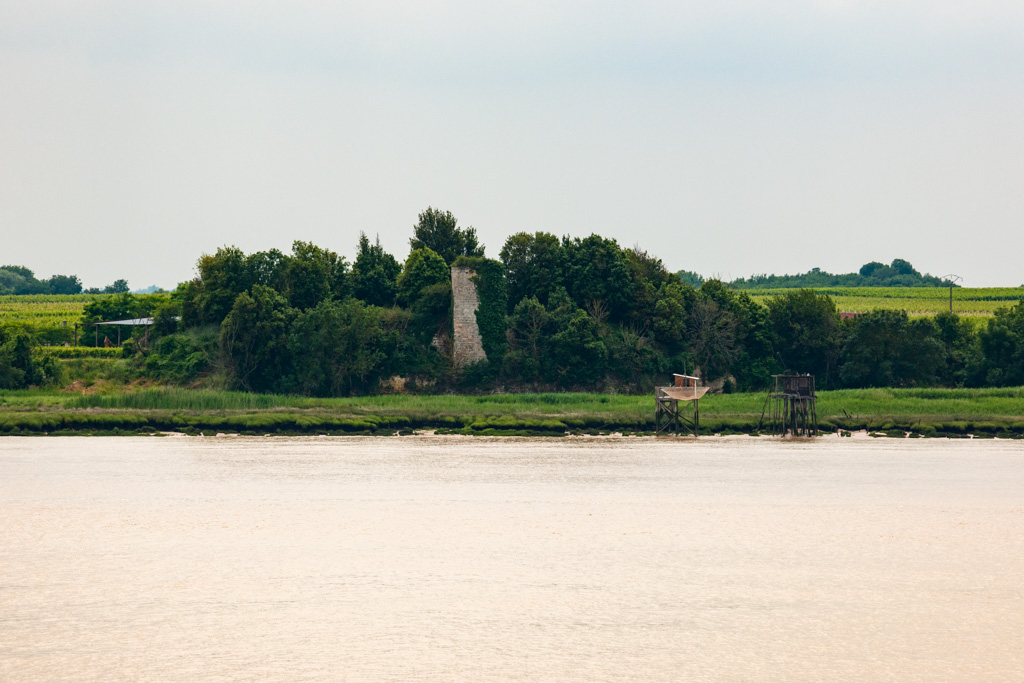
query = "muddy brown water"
{"x": 472, "y": 559}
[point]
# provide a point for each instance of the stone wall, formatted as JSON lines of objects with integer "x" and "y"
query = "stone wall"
{"x": 467, "y": 346}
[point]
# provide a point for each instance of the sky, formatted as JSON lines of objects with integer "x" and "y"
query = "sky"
{"x": 727, "y": 138}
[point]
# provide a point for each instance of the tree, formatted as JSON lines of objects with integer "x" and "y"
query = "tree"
{"x": 341, "y": 349}
{"x": 534, "y": 266}
{"x": 375, "y": 274}
{"x": 887, "y": 349}
{"x": 254, "y": 341}
{"x": 806, "y": 333}
{"x": 1002, "y": 347}
{"x": 438, "y": 230}
{"x": 19, "y": 368}
{"x": 528, "y": 333}
{"x": 691, "y": 278}
{"x": 669, "y": 320}
{"x": 904, "y": 268}
{"x": 711, "y": 336}
{"x": 20, "y": 280}
{"x": 869, "y": 269}
{"x": 16, "y": 367}
{"x": 423, "y": 268}
{"x": 118, "y": 287}
{"x": 634, "y": 358}
{"x": 25, "y": 273}
{"x": 579, "y": 355}
{"x": 962, "y": 350}
{"x": 64, "y": 284}
{"x": 12, "y": 282}
{"x": 752, "y": 362}
{"x": 314, "y": 274}
{"x": 222, "y": 277}
{"x": 647, "y": 274}
{"x": 267, "y": 268}
{"x": 598, "y": 276}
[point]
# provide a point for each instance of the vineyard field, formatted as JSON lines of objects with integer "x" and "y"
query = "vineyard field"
{"x": 916, "y": 301}
{"x": 43, "y": 310}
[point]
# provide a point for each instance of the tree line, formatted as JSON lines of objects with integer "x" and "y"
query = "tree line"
{"x": 19, "y": 280}
{"x": 899, "y": 273}
{"x": 556, "y": 313}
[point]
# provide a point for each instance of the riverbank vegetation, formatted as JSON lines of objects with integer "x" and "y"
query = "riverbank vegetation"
{"x": 555, "y": 315}
{"x": 894, "y": 412}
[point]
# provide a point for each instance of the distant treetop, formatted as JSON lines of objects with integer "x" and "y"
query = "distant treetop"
{"x": 899, "y": 273}
{"x": 21, "y": 280}
{"x": 439, "y": 231}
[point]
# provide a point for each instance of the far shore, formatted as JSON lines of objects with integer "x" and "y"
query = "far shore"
{"x": 862, "y": 413}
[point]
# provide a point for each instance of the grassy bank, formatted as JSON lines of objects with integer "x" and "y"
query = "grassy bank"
{"x": 925, "y": 412}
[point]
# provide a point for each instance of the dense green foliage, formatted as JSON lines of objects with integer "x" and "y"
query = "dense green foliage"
{"x": 897, "y": 274}
{"x": 1002, "y": 348}
{"x": 19, "y": 366}
{"x": 439, "y": 231}
{"x": 375, "y": 274}
{"x": 554, "y": 313}
{"x": 805, "y": 326}
{"x": 21, "y": 280}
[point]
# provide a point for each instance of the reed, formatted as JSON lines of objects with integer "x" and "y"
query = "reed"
{"x": 928, "y": 412}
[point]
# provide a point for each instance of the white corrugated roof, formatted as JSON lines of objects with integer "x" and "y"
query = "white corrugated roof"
{"x": 130, "y": 321}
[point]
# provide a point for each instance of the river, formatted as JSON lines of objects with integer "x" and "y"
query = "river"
{"x": 475, "y": 559}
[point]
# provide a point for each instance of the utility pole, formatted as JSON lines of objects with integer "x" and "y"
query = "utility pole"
{"x": 951, "y": 278}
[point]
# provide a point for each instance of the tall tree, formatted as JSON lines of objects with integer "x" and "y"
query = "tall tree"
{"x": 668, "y": 322}
{"x": 222, "y": 277}
{"x": 64, "y": 284}
{"x": 711, "y": 336}
{"x": 534, "y": 266}
{"x": 806, "y": 333}
{"x": 888, "y": 349}
{"x": 314, "y": 274}
{"x": 529, "y": 331}
{"x": 117, "y": 287}
{"x": 422, "y": 269}
{"x": 579, "y": 355}
{"x": 1002, "y": 343}
{"x": 598, "y": 276}
{"x": 963, "y": 352}
{"x": 439, "y": 231}
{"x": 340, "y": 345}
{"x": 375, "y": 273}
{"x": 253, "y": 339}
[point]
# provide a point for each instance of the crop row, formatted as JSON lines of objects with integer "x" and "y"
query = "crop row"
{"x": 917, "y": 301}
{"x": 43, "y": 309}
{"x": 80, "y": 352}
{"x": 926, "y": 293}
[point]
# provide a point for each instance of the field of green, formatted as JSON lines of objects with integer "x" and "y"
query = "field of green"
{"x": 43, "y": 310}
{"x": 916, "y": 301}
{"x": 895, "y": 412}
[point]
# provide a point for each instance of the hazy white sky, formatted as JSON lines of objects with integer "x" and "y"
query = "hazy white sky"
{"x": 728, "y": 138}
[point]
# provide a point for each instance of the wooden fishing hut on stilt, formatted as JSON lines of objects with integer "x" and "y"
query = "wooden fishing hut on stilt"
{"x": 668, "y": 415}
{"x": 792, "y": 406}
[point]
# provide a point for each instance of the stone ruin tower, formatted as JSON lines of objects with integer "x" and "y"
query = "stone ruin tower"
{"x": 467, "y": 345}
